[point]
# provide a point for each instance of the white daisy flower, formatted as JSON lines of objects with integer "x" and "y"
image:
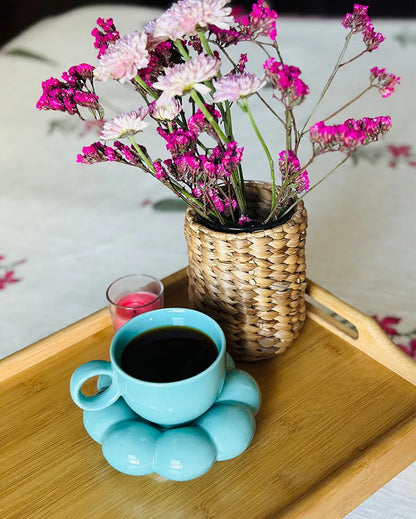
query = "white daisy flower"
{"x": 123, "y": 58}
{"x": 232, "y": 87}
{"x": 186, "y": 76}
{"x": 124, "y": 125}
{"x": 186, "y": 16}
{"x": 165, "y": 111}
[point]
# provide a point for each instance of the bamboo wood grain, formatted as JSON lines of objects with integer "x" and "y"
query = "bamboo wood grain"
{"x": 371, "y": 339}
{"x": 334, "y": 426}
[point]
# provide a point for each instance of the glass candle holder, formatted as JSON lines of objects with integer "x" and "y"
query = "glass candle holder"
{"x": 133, "y": 295}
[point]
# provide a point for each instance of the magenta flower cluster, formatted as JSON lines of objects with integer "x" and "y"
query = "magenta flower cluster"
{"x": 291, "y": 171}
{"x": 286, "y": 79}
{"x": 384, "y": 81}
{"x": 359, "y": 21}
{"x": 348, "y": 136}
{"x": 188, "y": 85}
{"x": 260, "y": 22}
{"x": 104, "y": 37}
{"x": 75, "y": 91}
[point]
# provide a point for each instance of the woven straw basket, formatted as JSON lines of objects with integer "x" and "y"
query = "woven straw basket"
{"x": 252, "y": 283}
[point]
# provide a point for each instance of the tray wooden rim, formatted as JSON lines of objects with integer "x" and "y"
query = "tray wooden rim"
{"x": 354, "y": 480}
{"x": 370, "y": 339}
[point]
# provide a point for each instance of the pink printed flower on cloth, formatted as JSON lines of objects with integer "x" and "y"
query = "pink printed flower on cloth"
{"x": 123, "y": 58}
{"x": 187, "y": 16}
{"x": 384, "y": 81}
{"x": 184, "y": 77}
{"x": 124, "y": 125}
{"x": 233, "y": 86}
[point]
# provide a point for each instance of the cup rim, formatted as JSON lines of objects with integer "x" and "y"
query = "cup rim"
{"x": 150, "y": 278}
{"x": 123, "y": 330}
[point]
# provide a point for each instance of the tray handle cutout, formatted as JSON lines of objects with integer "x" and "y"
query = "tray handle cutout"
{"x": 358, "y": 329}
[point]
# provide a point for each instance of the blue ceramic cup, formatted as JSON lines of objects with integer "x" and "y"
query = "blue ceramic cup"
{"x": 168, "y": 403}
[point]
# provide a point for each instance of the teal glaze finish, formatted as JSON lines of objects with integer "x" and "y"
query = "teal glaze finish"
{"x": 184, "y": 453}
{"x": 167, "y": 404}
{"x": 97, "y": 423}
{"x": 241, "y": 387}
{"x": 129, "y": 447}
{"x": 136, "y": 447}
{"x": 231, "y": 427}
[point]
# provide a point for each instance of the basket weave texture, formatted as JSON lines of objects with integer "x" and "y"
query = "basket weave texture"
{"x": 252, "y": 283}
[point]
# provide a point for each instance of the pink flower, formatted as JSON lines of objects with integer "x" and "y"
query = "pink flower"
{"x": 98, "y": 152}
{"x": 159, "y": 57}
{"x": 222, "y": 162}
{"x": 184, "y": 77}
{"x": 123, "y": 58}
{"x": 160, "y": 173}
{"x": 348, "y": 136}
{"x": 285, "y": 78}
{"x": 198, "y": 123}
{"x": 187, "y": 16}
{"x": 233, "y": 86}
{"x": 260, "y": 22}
{"x": 128, "y": 152}
{"x": 124, "y": 125}
{"x": 358, "y": 20}
{"x": 165, "y": 111}
{"x": 179, "y": 141}
{"x": 71, "y": 94}
{"x": 106, "y": 37}
{"x": 243, "y": 220}
{"x": 372, "y": 39}
{"x": 384, "y": 81}
{"x": 290, "y": 169}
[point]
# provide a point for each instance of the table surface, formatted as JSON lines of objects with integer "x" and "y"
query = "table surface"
{"x": 67, "y": 231}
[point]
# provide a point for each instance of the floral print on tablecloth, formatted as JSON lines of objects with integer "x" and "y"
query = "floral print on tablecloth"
{"x": 7, "y": 272}
{"x": 406, "y": 340}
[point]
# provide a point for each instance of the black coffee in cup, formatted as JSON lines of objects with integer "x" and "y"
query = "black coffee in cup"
{"x": 168, "y": 354}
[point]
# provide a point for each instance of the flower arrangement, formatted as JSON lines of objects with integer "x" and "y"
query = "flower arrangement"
{"x": 189, "y": 84}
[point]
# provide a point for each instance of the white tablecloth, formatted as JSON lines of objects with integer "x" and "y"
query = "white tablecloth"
{"x": 67, "y": 230}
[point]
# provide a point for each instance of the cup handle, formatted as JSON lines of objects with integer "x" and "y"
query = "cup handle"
{"x": 102, "y": 399}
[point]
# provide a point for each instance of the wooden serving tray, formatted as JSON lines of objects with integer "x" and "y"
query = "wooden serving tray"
{"x": 337, "y": 421}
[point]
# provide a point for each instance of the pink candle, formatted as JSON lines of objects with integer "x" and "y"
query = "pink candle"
{"x": 134, "y": 304}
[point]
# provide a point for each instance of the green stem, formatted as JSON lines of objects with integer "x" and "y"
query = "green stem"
{"x": 145, "y": 87}
{"x": 347, "y": 104}
{"x": 182, "y": 49}
{"x": 235, "y": 178}
{"x": 204, "y": 42}
{"x": 315, "y": 185}
{"x": 144, "y": 158}
{"x": 353, "y": 59}
{"x": 270, "y": 108}
{"x": 328, "y": 83}
{"x": 208, "y": 116}
{"x": 246, "y": 109}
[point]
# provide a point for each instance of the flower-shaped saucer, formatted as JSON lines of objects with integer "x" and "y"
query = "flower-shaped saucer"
{"x": 137, "y": 447}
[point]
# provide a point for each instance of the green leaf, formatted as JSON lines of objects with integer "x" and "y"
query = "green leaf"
{"x": 24, "y": 53}
{"x": 64, "y": 126}
{"x": 170, "y": 204}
